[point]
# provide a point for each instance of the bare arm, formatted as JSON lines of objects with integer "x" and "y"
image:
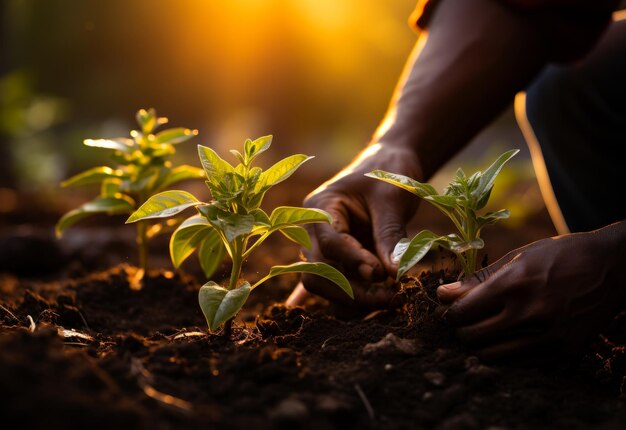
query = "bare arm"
{"x": 476, "y": 55}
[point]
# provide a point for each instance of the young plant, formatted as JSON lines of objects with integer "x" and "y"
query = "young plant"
{"x": 233, "y": 223}
{"x": 142, "y": 168}
{"x": 461, "y": 202}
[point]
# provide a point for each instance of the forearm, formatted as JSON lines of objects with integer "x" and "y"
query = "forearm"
{"x": 476, "y": 55}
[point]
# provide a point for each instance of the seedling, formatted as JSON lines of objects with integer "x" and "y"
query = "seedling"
{"x": 227, "y": 224}
{"x": 142, "y": 169}
{"x": 461, "y": 201}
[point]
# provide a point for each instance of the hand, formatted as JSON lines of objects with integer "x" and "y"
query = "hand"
{"x": 549, "y": 297}
{"x": 369, "y": 218}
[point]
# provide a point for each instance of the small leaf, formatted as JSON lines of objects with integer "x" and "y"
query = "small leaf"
{"x": 320, "y": 269}
{"x": 461, "y": 246}
{"x": 119, "y": 144}
{"x": 182, "y": 173}
{"x": 230, "y": 224}
{"x": 110, "y": 188}
{"x": 492, "y": 217}
{"x": 445, "y": 201}
{"x": 186, "y": 238}
{"x": 411, "y": 185}
{"x": 236, "y": 225}
{"x": 487, "y": 179}
{"x": 219, "y": 304}
{"x": 164, "y": 204}
{"x": 253, "y": 148}
{"x": 175, "y": 135}
{"x": 211, "y": 251}
{"x": 280, "y": 171}
{"x": 261, "y": 218}
{"x": 289, "y": 216}
{"x": 411, "y": 252}
{"x": 93, "y": 176}
{"x": 146, "y": 120}
{"x": 108, "y": 205}
{"x": 297, "y": 235}
{"x": 214, "y": 166}
{"x": 240, "y": 157}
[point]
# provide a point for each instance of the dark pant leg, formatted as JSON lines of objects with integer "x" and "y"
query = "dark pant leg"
{"x": 578, "y": 114}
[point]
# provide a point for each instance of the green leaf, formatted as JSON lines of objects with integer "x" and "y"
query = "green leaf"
{"x": 459, "y": 246}
{"x": 186, "y": 238}
{"x": 182, "y": 173}
{"x": 253, "y": 148}
{"x": 219, "y": 304}
{"x": 108, "y": 205}
{"x": 164, "y": 204}
{"x": 240, "y": 157}
{"x": 492, "y": 217}
{"x": 320, "y": 269}
{"x": 297, "y": 235}
{"x": 487, "y": 179}
{"x": 280, "y": 171}
{"x": 93, "y": 175}
{"x": 445, "y": 201}
{"x": 230, "y": 224}
{"x": 289, "y": 216}
{"x": 211, "y": 251}
{"x": 261, "y": 218}
{"x": 175, "y": 135}
{"x": 146, "y": 119}
{"x": 411, "y": 185}
{"x": 110, "y": 188}
{"x": 118, "y": 144}
{"x": 214, "y": 166}
{"x": 409, "y": 252}
{"x": 235, "y": 225}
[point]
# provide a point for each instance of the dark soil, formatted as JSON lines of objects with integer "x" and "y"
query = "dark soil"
{"x": 87, "y": 349}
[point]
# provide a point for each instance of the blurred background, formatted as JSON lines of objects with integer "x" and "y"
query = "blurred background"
{"x": 317, "y": 74}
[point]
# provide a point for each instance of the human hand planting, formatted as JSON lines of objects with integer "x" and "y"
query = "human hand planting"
{"x": 369, "y": 218}
{"x": 548, "y": 298}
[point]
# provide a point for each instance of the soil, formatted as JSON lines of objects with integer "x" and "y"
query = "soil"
{"x": 82, "y": 347}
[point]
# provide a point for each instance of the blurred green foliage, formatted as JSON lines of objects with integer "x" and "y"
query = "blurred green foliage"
{"x": 312, "y": 72}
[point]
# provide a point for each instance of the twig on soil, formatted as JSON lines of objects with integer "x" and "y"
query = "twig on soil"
{"x": 75, "y": 344}
{"x": 9, "y": 312}
{"x": 144, "y": 380}
{"x": 366, "y": 402}
{"x": 186, "y": 334}
{"x": 326, "y": 341}
{"x": 32, "y": 326}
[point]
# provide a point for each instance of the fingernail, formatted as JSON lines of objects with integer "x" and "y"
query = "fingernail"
{"x": 451, "y": 287}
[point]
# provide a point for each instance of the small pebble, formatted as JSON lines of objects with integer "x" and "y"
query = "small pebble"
{"x": 290, "y": 409}
{"x": 391, "y": 344}
{"x": 435, "y": 378}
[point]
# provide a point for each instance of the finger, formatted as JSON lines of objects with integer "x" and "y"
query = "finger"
{"x": 490, "y": 330}
{"x": 482, "y": 301}
{"x": 298, "y": 296}
{"x": 387, "y": 228}
{"x": 365, "y": 295}
{"x": 448, "y": 293}
{"x": 341, "y": 247}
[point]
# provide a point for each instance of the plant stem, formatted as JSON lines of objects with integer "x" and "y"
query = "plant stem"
{"x": 237, "y": 263}
{"x": 142, "y": 244}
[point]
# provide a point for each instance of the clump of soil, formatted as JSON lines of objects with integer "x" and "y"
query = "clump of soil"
{"x": 102, "y": 352}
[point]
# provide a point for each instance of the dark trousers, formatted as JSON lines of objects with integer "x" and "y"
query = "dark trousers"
{"x": 578, "y": 115}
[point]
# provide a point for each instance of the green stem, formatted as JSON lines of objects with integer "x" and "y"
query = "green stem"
{"x": 237, "y": 263}
{"x": 142, "y": 244}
